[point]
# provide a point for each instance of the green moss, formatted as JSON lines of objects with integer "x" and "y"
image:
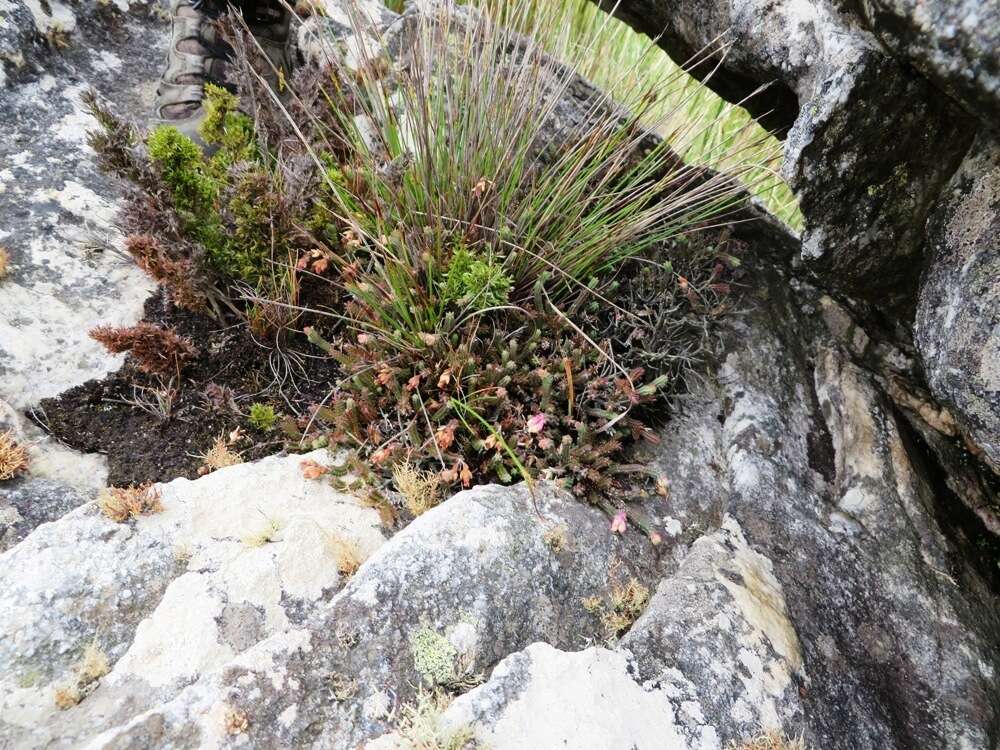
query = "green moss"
{"x": 253, "y": 209}
{"x": 228, "y": 128}
{"x": 433, "y": 656}
{"x": 473, "y": 281}
{"x": 182, "y": 166}
{"x": 262, "y": 416}
{"x": 239, "y": 246}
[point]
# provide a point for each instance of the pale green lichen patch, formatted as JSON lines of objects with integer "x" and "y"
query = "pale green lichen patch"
{"x": 433, "y": 656}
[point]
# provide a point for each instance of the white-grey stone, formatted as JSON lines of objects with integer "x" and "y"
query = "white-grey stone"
{"x": 170, "y": 596}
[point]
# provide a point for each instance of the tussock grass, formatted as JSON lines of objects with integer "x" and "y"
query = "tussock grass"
{"x": 703, "y": 127}
{"x": 462, "y": 173}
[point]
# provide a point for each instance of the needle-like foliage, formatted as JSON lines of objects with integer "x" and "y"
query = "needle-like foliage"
{"x": 476, "y": 154}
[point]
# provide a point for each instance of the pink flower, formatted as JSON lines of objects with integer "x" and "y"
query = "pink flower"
{"x": 619, "y": 524}
{"x": 536, "y": 424}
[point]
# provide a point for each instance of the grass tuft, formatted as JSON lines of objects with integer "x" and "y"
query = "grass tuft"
{"x": 556, "y": 537}
{"x": 13, "y": 457}
{"x": 619, "y": 607}
{"x": 347, "y": 554}
{"x": 264, "y": 535}
{"x": 84, "y": 678}
{"x": 121, "y": 504}
{"x": 421, "y": 490}
{"x": 772, "y": 740}
{"x": 421, "y": 726}
{"x": 219, "y": 456}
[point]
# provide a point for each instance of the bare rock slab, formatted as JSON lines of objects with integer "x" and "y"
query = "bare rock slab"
{"x": 67, "y": 273}
{"x": 233, "y": 558}
{"x": 459, "y": 589}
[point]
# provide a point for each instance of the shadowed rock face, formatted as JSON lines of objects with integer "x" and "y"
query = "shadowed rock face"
{"x": 954, "y": 43}
{"x": 869, "y": 145}
{"x": 890, "y": 97}
{"x": 958, "y": 318}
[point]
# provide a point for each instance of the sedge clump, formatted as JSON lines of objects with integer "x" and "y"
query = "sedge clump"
{"x": 495, "y": 315}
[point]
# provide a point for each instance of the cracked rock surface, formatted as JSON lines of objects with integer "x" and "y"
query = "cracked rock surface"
{"x": 958, "y": 318}
{"x": 168, "y": 597}
{"x": 56, "y": 221}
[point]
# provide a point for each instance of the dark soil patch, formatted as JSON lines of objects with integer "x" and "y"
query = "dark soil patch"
{"x": 100, "y": 416}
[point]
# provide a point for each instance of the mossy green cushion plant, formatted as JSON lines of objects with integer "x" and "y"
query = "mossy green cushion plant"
{"x": 183, "y": 167}
{"x": 263, "y": 416}
{"x": 475, "y": 282}
{"x": 226, "y": 127}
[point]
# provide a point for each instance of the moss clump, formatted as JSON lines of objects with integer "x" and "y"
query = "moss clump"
{"x": 225, "y": 126}
{"x": 475, "y": 282}
{"x": 227, "y": 202}
{"x": 433, "y": 656}
{"x": 262, "y": 416}
{"x": 252, "y": 208}
{"x": 182, "y": 167}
